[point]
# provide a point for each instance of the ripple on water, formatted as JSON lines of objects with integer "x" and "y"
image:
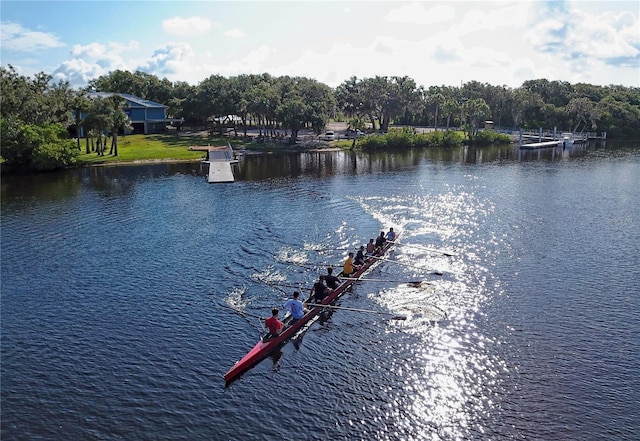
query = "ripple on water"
{"x": 112, "y": 325}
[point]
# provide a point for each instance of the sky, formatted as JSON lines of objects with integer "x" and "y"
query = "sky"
{"x": 502, "y": 43}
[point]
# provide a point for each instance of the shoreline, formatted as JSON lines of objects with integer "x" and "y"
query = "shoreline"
{"x": 177, "y": 161}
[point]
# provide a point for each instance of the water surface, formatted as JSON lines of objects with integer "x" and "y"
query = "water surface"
{"x": 114, "y": 281}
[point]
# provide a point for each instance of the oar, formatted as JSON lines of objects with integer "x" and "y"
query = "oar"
{"x": 273, "y": 286}
{"x": 331, "y": 249}
{"x": 395, "y": 316}
{"x": 434, "y": 250}
{"x": 243, "y": 312}
{"x": 291, "y": 285}
{"x": 437, "y": 273}
{"x": 414, "y": 282}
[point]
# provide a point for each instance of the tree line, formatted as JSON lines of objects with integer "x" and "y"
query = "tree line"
{"x": 37, "y": 113}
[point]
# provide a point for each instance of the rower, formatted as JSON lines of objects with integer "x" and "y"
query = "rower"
{"x": 295, "y": 307}
{"x": 347, "y": 270}
{"x": 380, "y": 240}
{"x": 273, "y": 324}
{"x": 332, "y": 281}
{"x": 319, "y": 290}
{"x": 371, "y": 247}
{"x": 391, "y": 236}
{"x": 359, "y": 259}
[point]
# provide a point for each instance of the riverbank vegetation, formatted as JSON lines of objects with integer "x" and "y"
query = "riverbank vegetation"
{"x": 407, "y": 137}
{"x": 40, "y": 118}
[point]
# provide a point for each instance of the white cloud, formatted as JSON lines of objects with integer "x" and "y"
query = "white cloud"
{"x": 93, "y": 60}
{"x": 170, "y": 59}
{"x": 252, "y": 63}
{"x": 92, "y": 50}
{"x": 433, "y": 43}
{"x": 416, "y": 13}
{"x": 109, "y": 56}
{"x": 578, "y": 35}
{"x": 78, "y": 72}
{"x": 14, "y": 37}
{"x": 186, "y": 26}
{"x": 235, "y": 33}
{"x": 611, "y": 35}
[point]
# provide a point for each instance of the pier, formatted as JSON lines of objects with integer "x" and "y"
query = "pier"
{"x": 547, "y": 139}
{"x": 220, "y": 160}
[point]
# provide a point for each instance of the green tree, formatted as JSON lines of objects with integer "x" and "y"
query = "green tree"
{"x": 98, "y": 121}
{"x": 36, "y": 146}
{"x": 263, "y": 100}
{"x": 36, "y": 114}
{"x": 523, "y": 102}
{"x": 557, "y": 93}
{"x": 619, "y": 116}
{"x": 437, "y": 99}
{"x": 349, "y": 98}
{"x": 117, "y": 120}
{"x": 583, "y": 112}
{"x": 474, "y": 111}
{"x": 80, "y": 106}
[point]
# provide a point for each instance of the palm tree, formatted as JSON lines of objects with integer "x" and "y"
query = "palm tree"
{"x": 474, "y": 111}
{"x": 438, "y": 100}
{"x": 118, "y": 120}
{"x": 81, "y": 104}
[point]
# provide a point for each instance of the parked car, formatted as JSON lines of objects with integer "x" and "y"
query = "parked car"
{"x": 330, "y": 136}
{"x": 355, "y": 133}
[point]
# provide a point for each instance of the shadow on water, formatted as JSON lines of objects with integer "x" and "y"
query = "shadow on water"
{"x": 119, "y": 179}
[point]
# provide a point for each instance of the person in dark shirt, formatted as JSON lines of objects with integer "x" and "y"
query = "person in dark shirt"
{"x": 359, "y": 259}
{"x": 331, "y": 280}
{"x": 319, "y": 290}
{"x": 380, "y": 240}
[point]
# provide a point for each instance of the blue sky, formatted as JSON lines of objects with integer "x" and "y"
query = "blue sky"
{"x": 435, "y": 43}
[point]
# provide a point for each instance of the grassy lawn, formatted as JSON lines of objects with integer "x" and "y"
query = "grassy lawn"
{"x": 159, "y": 147}
{"x": 152, "y": 147}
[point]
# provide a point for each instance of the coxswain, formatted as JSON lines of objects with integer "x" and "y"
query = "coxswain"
{"x": 273, "y": 324}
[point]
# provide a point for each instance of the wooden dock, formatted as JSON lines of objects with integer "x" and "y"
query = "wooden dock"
{"x": 220, "y": 160}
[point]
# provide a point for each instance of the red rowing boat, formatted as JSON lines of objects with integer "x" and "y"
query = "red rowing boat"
{"x": 268, "y": 344}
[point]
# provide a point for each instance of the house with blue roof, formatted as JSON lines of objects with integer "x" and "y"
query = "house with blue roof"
{"x": 145, "y": 116}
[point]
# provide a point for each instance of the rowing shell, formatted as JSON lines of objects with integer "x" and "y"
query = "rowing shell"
{"x": 269, "y": 343}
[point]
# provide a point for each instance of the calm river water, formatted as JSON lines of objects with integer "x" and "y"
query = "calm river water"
{"x": 117, "y": 283}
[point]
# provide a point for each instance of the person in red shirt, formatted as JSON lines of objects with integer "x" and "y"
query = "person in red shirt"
{"x": 273, "y": 324}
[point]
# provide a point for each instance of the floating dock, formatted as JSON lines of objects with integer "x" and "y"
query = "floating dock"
{"x": 219, "y": 172}
{"x": 541, "y": 145}
{"x": 220, "y": 161}
{"x": 548, "y": 139}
